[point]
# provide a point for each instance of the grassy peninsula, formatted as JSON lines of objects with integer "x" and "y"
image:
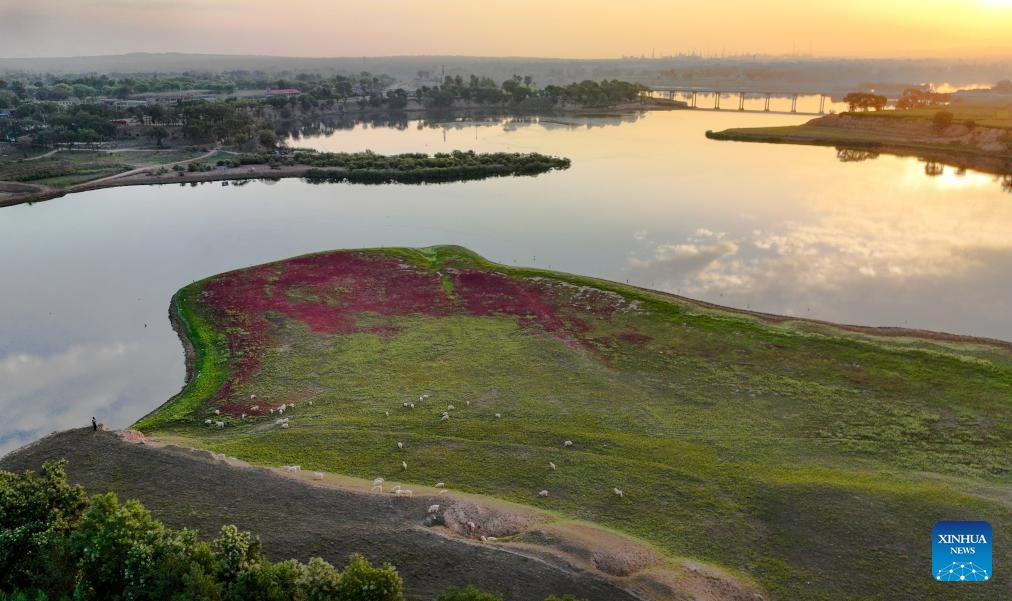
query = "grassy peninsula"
{"x": 975, "y": 135}
{"x": 810, "y": 458}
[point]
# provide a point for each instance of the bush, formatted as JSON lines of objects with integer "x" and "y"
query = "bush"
{"x": 360, "y": 581}
{"x": 468, "y": 594}
{"x": 942, "y": 120}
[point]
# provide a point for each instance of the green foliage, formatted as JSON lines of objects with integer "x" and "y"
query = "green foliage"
{"x": 360, "y": 581}
{"x": 468, "y": 594}
{"x": 37, "y": 512}
{"x": 865, "y": 101}
{"x": 55, "y": 544}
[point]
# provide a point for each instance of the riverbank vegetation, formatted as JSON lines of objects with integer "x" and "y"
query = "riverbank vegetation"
{"x": 758, "y": 444}
{"x": 968, "y": 133}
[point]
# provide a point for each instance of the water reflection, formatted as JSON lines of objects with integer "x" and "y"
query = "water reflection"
{"x": 648, "y": 199}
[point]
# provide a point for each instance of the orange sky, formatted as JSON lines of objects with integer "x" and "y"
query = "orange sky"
{"x": 559, "y": 28}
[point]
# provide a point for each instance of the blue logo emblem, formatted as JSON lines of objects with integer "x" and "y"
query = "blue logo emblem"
{"x": 961, "y": 552}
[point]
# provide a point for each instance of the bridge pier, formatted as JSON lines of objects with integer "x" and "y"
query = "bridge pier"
{"x": 767, "y": 108}
{"x": 741, "y": 101}
{"x": 693, "y": 99}
{"x": 794, "y": 103}
{"x": 822, "y": 104}
{"x": 716, "y": 101}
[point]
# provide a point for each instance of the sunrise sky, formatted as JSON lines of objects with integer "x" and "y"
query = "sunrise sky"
{"x": 559, "y": 28}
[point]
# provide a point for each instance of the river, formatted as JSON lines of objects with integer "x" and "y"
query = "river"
{"x": 649, "y": 200}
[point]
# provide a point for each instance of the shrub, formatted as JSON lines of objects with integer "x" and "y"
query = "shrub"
{"x": 942, "y": 120}
{"x": 360, "y": 581}
{"x": 468, "y": 594}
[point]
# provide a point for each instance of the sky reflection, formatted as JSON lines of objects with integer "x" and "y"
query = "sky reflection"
{"x": 648, "y": 200}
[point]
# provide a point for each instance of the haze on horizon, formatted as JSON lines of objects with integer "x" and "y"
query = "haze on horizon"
{"x": 530, "y": 28}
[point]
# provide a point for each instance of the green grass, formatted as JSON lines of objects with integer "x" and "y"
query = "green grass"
{"x": 795, "y": 453}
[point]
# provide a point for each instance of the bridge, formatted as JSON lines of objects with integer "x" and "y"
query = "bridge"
{"x": 695, "y": 93}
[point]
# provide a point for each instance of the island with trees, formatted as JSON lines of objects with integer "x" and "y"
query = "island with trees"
{"x": 61, "y": 134}
{"x": 972, "y": 131}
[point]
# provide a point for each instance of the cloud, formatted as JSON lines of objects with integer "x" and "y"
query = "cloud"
{"x": 44, "y": 393}
{"x": 676, "y": 261}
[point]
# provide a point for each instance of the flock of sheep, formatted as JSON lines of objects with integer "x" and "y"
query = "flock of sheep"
{"x": 377, "y": 484}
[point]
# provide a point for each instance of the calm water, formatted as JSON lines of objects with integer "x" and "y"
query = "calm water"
{"x": 87, "y": 278}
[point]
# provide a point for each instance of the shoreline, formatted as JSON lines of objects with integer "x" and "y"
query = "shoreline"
{"x": 959, "y": 146}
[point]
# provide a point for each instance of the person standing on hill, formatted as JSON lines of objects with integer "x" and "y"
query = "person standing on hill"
{"x": 94, "y": 425}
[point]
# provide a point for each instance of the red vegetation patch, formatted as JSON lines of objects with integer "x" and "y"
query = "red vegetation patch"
{"x": 328, "y": 292}
{"x": 635, "y": 338}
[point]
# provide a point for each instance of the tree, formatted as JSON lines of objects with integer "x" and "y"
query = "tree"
{"x": 942, "y": 120}
{"x": 37, "y": 513}
{"x": 157, "y": 133}
{"x": 360, "y": 581}
{"x": 865, "y": 101}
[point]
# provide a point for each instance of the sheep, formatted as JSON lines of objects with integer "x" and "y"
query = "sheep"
{"x": 443, "y": 492}
{"x": 543, "y": 493}
{"x": 444, "y": 418}
{"x": 411, "y": 405}
{"x": 551, "y": 464}
{"x": 310, "y": 403}
{"x": 400, "y": 445}
{"x": 284, "y": 425}
{"x": 207, "y": 421}
{"x": 488, "y": 539}
{"x": 386, "y": 413}
{"x": 450, "y": 407}
{"x": 404, "y": 404}
{"x": 377, "y": 485}
{"x": 568, "y": 443}
{"x": 280, "y": 420}
{"x": 220, "y": 424}
{"x": 395, "y": 489}
{"x": 291, "y": 405}
{"x": 402, "y": 492}
{"x": 252, "y": 397}
{"x": 433, "y": 509}
{"x": 291, "y": 468}
{"x": 617, "y": 491}
{"x": 317, "y": 475}
{"x": 468, "y": 403}
{"x": 272, "y": 410}
{"x": 217, "y": 411}
{"x": 243, "y": 416}
{"x": 471, "y": 527}
{"x": 498, "y": 415}
{"x": 281, "y": 409}
{"x": 404, "y": 465}
{"x": 440, "y": 484}
{"x": 423, "y": 397}
{"x": 255, "y": 408}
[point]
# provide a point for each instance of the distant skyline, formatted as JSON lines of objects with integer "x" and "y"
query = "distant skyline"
{"x": 560, "y": 29}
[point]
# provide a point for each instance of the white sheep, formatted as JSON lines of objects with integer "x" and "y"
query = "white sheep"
{"x": 377, "y": 485}
{"x": 543, "y": 493}
{"x": 293, "y": 468}
{"x": 310, "y": 403}
{"x": 220, "y": 424}
{"x": 405, "y": 404}
{"x": 400, "y": 445}
{"x": 243, "y": 416}
{"x": 207, "y": 421}
{"x": 443, "y": 492}
{"x": 440, "y": 484}
{"x": 272, "y": 410}
{"x": 423, "y": 397}
{"x": 404, "y": 465}
{"x": 411, "y": 405}
{"x": 450, "y": 407}
{"x": 317, "y": 475}
{"x": 386, "y": 413}
{"x": 468, "y": 403}
{"x": 280, "y": 420}
{"x": 490, "y": 539}
{"x": 617, "y": 491}
{"x": 252, "y": 397}
{"x": 498, "y": 415}
{"x": 551, "y": 464}
{"x": 396, "y": 488}
{"x": 471, "y": 527}
{"x": 284, "y": 425}
{"x": 444, "y": 418}
{"x": 433, "y": 509}
{"x": 291, "y": 405}
{"x": 217, "y": 411}
{"x": 281, "y": 409}
{"x": 255, "y": 408}
{"x": 568, "y": 443}
{"x": 402, "y": 492}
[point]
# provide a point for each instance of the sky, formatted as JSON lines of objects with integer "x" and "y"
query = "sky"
{"x": 530, "y": 28}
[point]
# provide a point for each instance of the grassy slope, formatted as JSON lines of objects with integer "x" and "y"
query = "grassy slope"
{"x": 800, "y": 455}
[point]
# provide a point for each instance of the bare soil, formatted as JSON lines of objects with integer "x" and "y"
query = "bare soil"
{"x": 302, "y": 518}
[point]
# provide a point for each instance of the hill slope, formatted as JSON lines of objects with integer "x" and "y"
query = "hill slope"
{"x": 810, "y": 458}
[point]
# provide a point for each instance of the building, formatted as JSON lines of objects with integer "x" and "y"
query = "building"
{"x": 283, "y": 92}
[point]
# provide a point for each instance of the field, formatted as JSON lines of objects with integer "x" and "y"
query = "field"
{"x": 69, "y": 167}
{"x": 809, "y": 458}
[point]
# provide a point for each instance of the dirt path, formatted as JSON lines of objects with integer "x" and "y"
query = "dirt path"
{"x": 297, "y": 519}
{"x": 136, "y": 171}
